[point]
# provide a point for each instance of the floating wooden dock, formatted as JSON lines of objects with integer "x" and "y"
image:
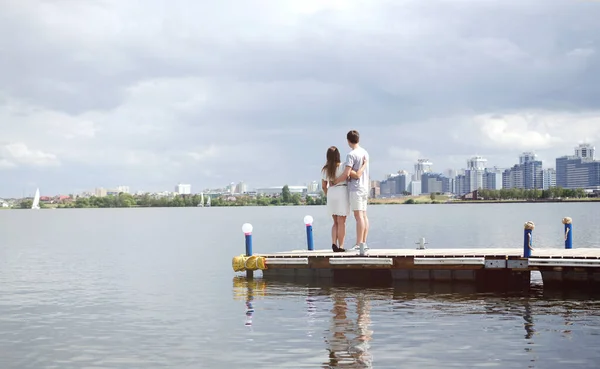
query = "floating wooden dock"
{"x": 500, "y": 268}
{"x": 492, "y": 268}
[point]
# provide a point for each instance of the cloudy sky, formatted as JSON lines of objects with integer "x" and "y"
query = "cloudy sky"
{"x": 101, "y": 93}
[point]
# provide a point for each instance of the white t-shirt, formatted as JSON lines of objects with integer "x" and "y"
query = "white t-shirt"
{"x": 338, "y": 172}
{"x": 354, "y": 159}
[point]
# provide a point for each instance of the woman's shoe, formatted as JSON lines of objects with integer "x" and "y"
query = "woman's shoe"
{"x": 335, "y": 248}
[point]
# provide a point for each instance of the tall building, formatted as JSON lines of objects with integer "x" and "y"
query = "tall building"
{"x": 183, "y": 189}
{"x": 527, "y": 174}
{"x": 448, "y": 184}
{"x": 243, "y": 188}
{"x": 451, "y": 173}
{"x": 123, "y": 189}
{"x": 474, "y": 173}
{"x": 532, "y": 171}
{"x": 492, "y": 179}
{"x": 527, "y": 157}
{"x": 385, "y": 187}
{"x": 476, "y": 162}
{"x": 422, "y": 166}
{"x": 312, "y": 187}
{"x": 580, "y": 170}
{"x": 400, "y": 181}
{"x": 548, "y": 178}
{"x": 431, "y": 183}
{"x": 585, "y": 151}
{"x": 461, "y": 187}
{"x": 414, "y": 188}
{"x": 513, "y": 177}
{"x": 394, "y": 184}
{"x": 100, "y": 192}
{"x": 375, "y": 188}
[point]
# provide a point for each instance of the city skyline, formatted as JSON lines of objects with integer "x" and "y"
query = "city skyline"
{"x": 577, "y": 170}
{"x": 420, "y": 167}
{"x": 87, "y": 100}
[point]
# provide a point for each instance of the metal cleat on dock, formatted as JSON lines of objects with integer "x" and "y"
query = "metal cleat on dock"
{"x": 421, "y": 243}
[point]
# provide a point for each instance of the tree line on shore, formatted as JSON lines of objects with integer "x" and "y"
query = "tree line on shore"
{"x": 125, "y": 200}
{"x": 531, "y": 194}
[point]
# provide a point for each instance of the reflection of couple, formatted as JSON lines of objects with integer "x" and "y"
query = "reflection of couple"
{"x": 348, "y": 341}
{"x": 347, "y": 188}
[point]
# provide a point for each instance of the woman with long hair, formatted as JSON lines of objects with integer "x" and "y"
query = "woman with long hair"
{"x": 338, "y": 203}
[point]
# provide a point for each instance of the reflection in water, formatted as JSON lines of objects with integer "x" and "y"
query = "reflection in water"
{"x": 246, "y": 289}
{"x": 311, "y": 311}
{"x": 568, "y": 322}
{"x": 528, "y": 324}
{"x": 348, "y": 343}
{"x": 249, "y": 307}
{"x": 348, "y": 337}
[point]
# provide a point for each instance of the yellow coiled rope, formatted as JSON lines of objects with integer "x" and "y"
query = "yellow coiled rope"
{"x": 242, "y": 262}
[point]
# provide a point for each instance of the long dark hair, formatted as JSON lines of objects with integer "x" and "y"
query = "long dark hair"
{"x": 333, "y": 161}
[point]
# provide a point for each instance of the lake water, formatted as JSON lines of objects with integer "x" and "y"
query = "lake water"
{"x": 154, "y": 288}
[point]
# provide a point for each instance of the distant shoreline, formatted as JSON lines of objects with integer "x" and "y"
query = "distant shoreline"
{"x": 374, "y": 202}
{"x": 459, "y": 202}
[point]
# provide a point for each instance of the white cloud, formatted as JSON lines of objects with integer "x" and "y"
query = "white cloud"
{"x": 536, "y": 130}
{"x": 21, "y": 154}
{"x": 39, "y": 124}
{"x": 5, "y": 164}
{"x": 514, "y": 132}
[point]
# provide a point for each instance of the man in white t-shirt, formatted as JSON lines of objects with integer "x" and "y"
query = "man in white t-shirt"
{"x": 358, "y": 187}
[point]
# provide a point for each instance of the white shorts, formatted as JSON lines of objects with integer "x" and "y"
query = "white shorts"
{"x": 358, "y": 200}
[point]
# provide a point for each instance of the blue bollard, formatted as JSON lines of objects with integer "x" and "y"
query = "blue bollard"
{"x": 528, "y": 239}
{"x": 309, "y": 232}
{"x": 309, "y": 238}
{"x": 568, "y": 222}
{"x": 249, "y": 245}
{"x": 247, "y": 229}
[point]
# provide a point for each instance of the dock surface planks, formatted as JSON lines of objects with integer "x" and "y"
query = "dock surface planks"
{"x": 488, "y": 268}
{"x": 585, "y": 253}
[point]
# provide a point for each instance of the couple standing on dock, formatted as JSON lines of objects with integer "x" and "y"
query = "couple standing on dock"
{"x": 346, "y": 186}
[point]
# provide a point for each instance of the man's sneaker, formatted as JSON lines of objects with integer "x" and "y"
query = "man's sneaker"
{"x": 357, "y": 248}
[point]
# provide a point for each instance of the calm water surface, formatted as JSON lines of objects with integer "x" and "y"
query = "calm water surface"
{"x": 154, "y": 288}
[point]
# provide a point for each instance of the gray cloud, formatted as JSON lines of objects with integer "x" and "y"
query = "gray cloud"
{"x": 104, "y": 92}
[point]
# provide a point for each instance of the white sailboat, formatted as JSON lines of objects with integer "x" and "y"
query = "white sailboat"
{"x": 201, "y": 204}
{"x": 208, "y": 201}
{"x": 36, "y": 200}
